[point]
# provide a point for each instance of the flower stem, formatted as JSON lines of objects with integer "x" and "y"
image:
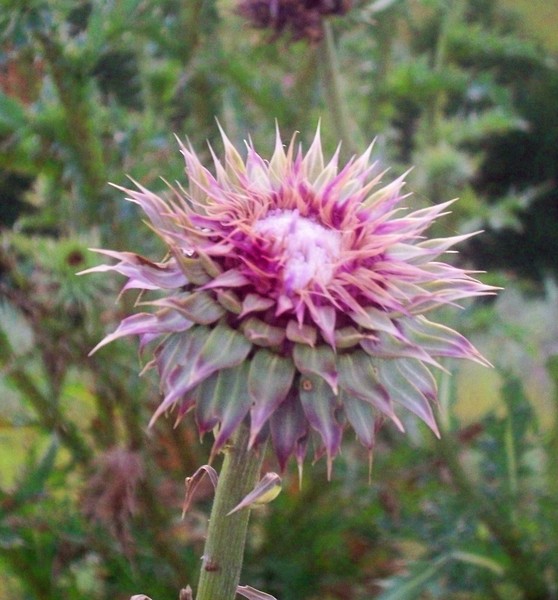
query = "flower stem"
{"x": 335, "y": 99}
{"x": 226, "y": 536}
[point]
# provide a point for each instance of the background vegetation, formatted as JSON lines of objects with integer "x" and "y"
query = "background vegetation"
{"x": 92, "y": 91}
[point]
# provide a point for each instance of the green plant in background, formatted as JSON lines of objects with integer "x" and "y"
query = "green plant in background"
{"x": 489, "y": 539}
{"x": 90, "y": 91}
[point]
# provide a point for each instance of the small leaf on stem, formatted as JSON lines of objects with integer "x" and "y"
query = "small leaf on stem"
{"x": 253, "y": 594}
{"x": 267, "y": 490}
{"x": 192, "y": 484}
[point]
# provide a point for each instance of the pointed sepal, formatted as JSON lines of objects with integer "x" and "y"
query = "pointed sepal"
{"x": 301, "y": 334}
{"x": 269, "y": 381}
{"x": 404, "y": 392}
{"x": 320, "y": 405}
{"x": 363, "y": 418}
{"x": 223, "y": 401}
{"x": 147, "y": 325}
{"x": 289, "y": 429}
{"x": 206, "y": 352}
{"x": 439, "y": 340}
{"x": 261, "y": 333}
{"x": 199, "y": 307}
{"x": 358, "y": 376}
{"x": 317, "y": 361}
{"x": 266, "y": 490}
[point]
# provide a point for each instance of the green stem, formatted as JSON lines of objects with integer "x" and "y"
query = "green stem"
{"x": 226, "y": 536}
{"x": 334, "y": 96}
{"x": 435, "y": 109}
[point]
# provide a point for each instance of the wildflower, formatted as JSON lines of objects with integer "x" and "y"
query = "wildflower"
{"x": 294, "y": 297}
{"x": 303, "y": 20}
{"x": 110, "y": 496}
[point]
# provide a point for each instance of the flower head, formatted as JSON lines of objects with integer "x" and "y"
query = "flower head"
{"x": 294, "y": 297}
{"x": 302, "y": 19}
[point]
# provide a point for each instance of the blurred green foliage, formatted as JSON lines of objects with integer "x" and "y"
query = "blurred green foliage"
{"x": 92, "y": 91}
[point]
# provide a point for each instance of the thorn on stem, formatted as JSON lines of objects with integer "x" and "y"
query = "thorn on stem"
{"x": 186, "y": 593}
{"x": 209, "y": 565}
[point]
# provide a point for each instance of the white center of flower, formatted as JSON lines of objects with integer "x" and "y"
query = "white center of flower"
{"x": 308, "y": 250}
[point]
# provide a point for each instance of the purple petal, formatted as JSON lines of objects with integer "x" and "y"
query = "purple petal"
{"x": 420, "y": 376}
{"x": 222, "y": 348}
{"x": 154, "y": 206}
{"x": 141, "y": 272}
{"x": 174, "y": 349}
{"x": 207, "y": 413}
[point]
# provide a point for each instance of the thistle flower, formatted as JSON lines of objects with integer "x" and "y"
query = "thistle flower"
{"x": 110, "y": 494}
{"x": 302, "y": 19}
{"x": 294, "y": 298}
